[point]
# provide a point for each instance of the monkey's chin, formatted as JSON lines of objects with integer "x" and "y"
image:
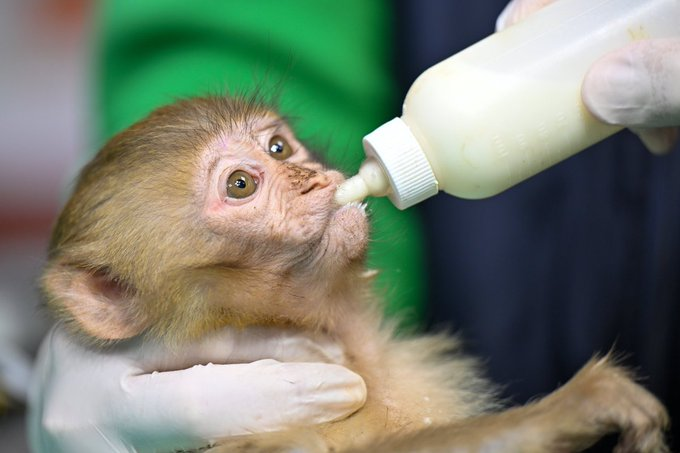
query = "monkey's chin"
{"x": 347, "y": 232}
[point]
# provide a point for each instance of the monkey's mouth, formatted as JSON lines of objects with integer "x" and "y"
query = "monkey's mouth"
{"x": 353, "y": 213}
{"x": 358, "y": 205}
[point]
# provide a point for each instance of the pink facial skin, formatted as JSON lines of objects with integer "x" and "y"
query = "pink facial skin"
{"x": 291, "y": 206}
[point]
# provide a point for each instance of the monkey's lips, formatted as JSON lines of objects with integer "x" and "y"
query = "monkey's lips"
{"x": 355, "y": 205}
{"x": 351, "y": 213}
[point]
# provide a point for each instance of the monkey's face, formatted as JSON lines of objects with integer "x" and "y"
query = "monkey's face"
{"x": 273, "y": 202}
{"x": 207, "y": 212}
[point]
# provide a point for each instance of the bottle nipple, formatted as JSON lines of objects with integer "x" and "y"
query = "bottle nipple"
{"x": 371, "y": 180}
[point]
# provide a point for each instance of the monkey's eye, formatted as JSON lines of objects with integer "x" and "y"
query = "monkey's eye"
{"x": 279, "y": 148}
{"x": 241, "y": 185}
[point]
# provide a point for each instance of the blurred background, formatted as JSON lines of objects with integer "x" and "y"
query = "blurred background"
{"x": 43, "y": 124}
{"x": 600, "y": 206}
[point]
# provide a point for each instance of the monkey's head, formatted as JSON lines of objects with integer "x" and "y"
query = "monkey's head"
{"x": 208, "y": 212}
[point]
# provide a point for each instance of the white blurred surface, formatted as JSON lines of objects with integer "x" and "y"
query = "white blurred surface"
{"x": 42, "y": 87}
{"x": 43, "y": 105}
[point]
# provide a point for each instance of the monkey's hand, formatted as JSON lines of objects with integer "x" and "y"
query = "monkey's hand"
{"x": 141, "y": 396}
{"x": 635, "y": 86}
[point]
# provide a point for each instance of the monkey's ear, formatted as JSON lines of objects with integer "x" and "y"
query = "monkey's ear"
{"x": 99, "y": 305}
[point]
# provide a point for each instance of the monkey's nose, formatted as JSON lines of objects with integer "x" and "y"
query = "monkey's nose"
{"x": 315, "y": 181}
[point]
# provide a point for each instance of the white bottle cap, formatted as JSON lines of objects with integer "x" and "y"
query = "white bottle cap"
{"x": 410, "y": 174}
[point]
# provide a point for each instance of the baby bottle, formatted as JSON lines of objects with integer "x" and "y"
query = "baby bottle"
{"x": 505, "y": 108}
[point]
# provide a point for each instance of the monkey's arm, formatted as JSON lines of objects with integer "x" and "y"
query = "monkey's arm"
{"x": 599, "y": 400}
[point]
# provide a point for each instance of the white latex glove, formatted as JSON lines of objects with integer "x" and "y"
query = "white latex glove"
{"x": 87, "y": 400}
{"x": 636, "y": 86}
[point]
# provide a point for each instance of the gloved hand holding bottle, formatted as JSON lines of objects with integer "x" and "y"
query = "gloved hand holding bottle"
{"x": 526, "y": 98}
{"x": 636, "y": 86}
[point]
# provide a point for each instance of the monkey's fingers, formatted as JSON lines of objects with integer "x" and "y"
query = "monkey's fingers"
{"x": 211, "y": 402}
{"x": 603, "y": 398}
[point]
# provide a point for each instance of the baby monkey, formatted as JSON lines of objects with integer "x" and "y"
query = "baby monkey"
{"x": 210, "y": 213}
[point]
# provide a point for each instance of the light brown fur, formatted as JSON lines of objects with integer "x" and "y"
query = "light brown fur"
{"x": 153, "y": 243}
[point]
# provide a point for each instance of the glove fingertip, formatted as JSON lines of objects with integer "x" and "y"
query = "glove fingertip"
{"x": 658, "y": 141}
{"x": 615, "y": 91}
{"x": 517, "y": 10}
{"x": 504, "y": 18}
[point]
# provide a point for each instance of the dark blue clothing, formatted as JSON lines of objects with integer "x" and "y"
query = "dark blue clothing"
{"x": 579, "y": 259}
